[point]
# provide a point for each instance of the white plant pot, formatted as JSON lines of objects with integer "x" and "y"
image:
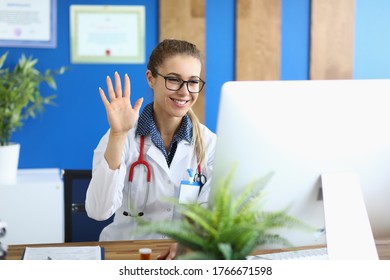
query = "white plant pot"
{"x": 9, "y": 160}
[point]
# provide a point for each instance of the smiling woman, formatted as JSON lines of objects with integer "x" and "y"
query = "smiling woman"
{"x": 166, "y": 139}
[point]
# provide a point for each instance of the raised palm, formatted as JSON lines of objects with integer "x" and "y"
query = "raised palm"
{"x": 120, "y": 113}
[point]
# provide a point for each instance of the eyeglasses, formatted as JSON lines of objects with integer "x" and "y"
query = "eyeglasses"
{"x": 174, "y": 83}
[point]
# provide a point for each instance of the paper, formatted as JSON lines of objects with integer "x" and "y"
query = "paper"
{"x": 28, "y": 23}
{"x": 107, "y": 34}
{"x": 63, "y": 253}
{"x": 25, "y": 20}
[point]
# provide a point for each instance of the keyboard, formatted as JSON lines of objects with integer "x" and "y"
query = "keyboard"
{"x": 305, "y": 254}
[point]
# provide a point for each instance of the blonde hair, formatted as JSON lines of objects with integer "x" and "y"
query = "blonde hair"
{"x": 197, "y": 138}
{"x": 168, "y": 48}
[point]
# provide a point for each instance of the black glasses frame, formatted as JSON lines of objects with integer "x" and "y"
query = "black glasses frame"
{"x": 201, "y": 86}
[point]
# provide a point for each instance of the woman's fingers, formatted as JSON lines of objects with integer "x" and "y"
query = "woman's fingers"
{"x": 111, "y": 92}
{"x": 138, "y": 104}
{"x": 117, "y": 92}
{"x": 121, "y": 116}
{"x": 127, "y": 87}
{"x": 118, "y": 85}
{"x": 103, "y": 97}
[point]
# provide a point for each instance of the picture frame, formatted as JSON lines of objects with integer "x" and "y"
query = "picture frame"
{"x": 107, "y": 34}
{"x": 28, "y": 24}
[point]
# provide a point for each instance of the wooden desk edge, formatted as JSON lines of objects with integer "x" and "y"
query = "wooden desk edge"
{"x": 128, "y": 250}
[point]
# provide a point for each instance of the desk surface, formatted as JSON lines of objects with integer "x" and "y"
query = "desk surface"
{"x": 113, "y": 250}
{"x": 128, "y": 250}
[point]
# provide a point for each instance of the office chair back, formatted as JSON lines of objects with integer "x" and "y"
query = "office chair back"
{"x": 78, "y": 226}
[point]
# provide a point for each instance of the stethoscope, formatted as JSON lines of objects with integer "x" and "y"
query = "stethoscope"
{"x": 198, "y": 177}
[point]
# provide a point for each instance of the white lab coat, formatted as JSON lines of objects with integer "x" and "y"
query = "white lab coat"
{"x": 107, "y": 193}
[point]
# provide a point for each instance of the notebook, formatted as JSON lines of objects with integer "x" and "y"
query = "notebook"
{"x": 64, "y": 253}
{"x": 326, "y": 144}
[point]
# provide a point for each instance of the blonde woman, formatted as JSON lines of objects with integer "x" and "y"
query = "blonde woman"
{"x": 147, "y": 158}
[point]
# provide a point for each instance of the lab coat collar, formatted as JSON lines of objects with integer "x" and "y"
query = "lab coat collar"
{"x": 183, "y": 151}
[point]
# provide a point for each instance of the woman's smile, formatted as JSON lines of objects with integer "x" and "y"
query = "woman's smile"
{"x": 179, "y": 102}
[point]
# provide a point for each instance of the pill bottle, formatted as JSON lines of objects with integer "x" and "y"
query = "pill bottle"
{"x": 145, "y": 253}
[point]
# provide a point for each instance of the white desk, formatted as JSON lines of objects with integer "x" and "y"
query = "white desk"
{"x": 33, "y": 208}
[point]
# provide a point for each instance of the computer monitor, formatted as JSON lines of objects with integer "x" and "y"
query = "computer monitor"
{"x": 300, "y": 130}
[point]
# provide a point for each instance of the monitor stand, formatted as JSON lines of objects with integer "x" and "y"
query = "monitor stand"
{"x": 348, "y": 230}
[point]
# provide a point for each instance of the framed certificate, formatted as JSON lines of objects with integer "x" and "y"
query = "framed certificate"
{"x": 28, "y": 23}
{"x": 107, "y": 34}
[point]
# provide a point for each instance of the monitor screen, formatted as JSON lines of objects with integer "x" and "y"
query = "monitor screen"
{"x": 300, "y": 130}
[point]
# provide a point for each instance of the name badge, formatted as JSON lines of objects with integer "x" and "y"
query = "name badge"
{"x": 188, "y": 192}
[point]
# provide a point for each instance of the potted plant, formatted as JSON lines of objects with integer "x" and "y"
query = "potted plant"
{"x": 231, "y": 227}
{"x": 20, "y": 99}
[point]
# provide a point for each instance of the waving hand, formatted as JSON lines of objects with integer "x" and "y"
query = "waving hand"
{"x": 120, "y": 113}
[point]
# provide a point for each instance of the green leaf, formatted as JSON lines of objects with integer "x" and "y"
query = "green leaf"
{"x": 51, "y": 82}
{"x": 226, "y": 250}
{"x": 3, "y": 58}
{"x": 252, "y": 192}
{"x": 198, "y": 255}
{"x": 197, "y": 216}
{"x": 21, "y": 94}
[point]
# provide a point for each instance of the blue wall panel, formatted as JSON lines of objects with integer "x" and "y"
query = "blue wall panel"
{"x": 372, "y": 39}
{"x": 220, "y": 53}
{"x": 295, "y": 40}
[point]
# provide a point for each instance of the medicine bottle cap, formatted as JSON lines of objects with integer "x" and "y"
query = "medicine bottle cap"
{"x": 145, "y": 251}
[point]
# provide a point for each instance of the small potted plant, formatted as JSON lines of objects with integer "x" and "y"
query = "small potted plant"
{"x": 20, "y": 98}
{"x": 231, "y": 227}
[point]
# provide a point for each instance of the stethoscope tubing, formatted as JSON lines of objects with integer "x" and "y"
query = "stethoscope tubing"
{"x": 140, "y": 161}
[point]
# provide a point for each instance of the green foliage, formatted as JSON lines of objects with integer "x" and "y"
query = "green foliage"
{"x": 20, "y": 95}
{"x": 231, "y": 227}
